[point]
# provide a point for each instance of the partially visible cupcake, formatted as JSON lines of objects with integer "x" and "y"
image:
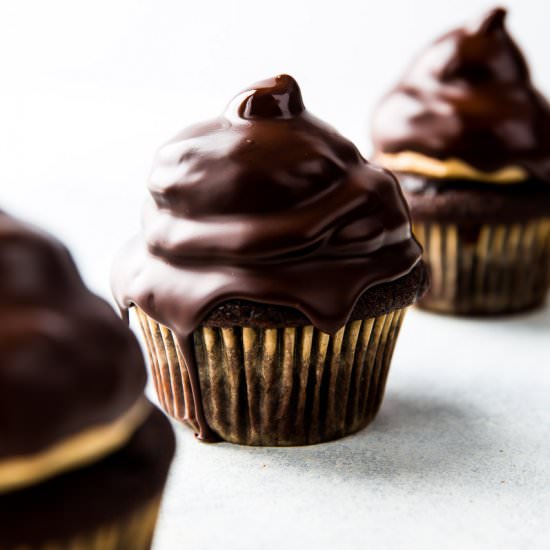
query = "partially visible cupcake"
{"x": 83, "y": 455}
{"x": 272, "y": 274}
{"x": 468, "y": 136}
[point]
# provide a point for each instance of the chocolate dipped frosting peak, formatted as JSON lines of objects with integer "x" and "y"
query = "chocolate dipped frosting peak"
{"x": 68, "y": 364}
{"x": 268, "y": 204}
{"x": 469, "y": 96}
{"x": 278, "y": 97}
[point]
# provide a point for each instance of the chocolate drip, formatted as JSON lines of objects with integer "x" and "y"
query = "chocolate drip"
{"x": 68, "y": 363}
{"x": 267, "y": 204}
{"x": 205, "y": 434}
{"x": 469, "y": 96}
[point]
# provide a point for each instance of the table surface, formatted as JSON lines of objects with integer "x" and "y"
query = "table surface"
{"x": 458, "y": 457}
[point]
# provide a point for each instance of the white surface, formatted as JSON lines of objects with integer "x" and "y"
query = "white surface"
{"x": 459, "y": 456}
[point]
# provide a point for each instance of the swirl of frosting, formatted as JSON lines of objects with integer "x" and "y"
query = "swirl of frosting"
{"x": 71, "y": 376}
{"x": 469, "y": 98}
{"x": 267, "y": 181}
{"x": 265, "y": 193}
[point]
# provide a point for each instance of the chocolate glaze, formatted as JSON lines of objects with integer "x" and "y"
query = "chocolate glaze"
{"x": 83, "y": 500}
{"x": 67, "y": 362}
{"x": 267, "y": 204}
{"x": 469, "y": 96}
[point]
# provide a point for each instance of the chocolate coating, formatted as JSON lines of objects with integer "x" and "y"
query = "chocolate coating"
{"x": 266, "y": 204}
{"x": 469, "y": 96}
{"x": 67, "y": 362}
{"x": 257, "y": 205}
{"x": 83, "y": 500}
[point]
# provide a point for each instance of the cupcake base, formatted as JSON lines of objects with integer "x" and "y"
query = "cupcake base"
{"x": 110, "y": 505}
{"x": 277, "y": 386}
{"x": 486, "y": 269}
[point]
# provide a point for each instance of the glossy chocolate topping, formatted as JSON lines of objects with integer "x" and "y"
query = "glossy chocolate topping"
{"x": 469, "y": 96}
{"x": 267, "y": 204}
{"x": 67, "y": 362}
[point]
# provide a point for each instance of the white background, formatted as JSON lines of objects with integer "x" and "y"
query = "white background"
{"x": 459, "y": 456}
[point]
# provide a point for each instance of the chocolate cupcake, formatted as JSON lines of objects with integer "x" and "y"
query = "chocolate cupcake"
{"x": 468, "y": 136}
{"x": 272, "y": 274}
{"x": 83, "y": 455}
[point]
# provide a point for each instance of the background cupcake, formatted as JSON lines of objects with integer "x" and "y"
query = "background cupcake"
{"x": 271, "y": 276}
{"x": 83, "y": 454}
{"x": 468, "y": 136}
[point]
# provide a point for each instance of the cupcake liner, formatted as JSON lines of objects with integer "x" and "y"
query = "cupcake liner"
{"x": 133, "y": 532}
{"x": 487, "y": 269}
{"x": 277, "y": 386}
{"x": 168, "y": 371}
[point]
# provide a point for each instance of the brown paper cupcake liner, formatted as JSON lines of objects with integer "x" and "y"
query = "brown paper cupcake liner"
{"x": 488, "y": 269}
{"x": 135, "y": 532}
{"x": 277, "y": 386}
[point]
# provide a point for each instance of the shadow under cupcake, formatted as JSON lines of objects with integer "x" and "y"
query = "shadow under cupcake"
{"x": 272, "y": 275}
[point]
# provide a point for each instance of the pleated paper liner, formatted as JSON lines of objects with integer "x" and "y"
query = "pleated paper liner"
{"x": 277, "y": 386}
{"x": 489, "y": 269}
{"x": 133, "y": 533}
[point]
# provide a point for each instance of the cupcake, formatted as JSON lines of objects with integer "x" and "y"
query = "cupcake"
{"x": 83, "y": 455}
{"x": 271, "y": 276}
{"x": 468, "y": 136}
